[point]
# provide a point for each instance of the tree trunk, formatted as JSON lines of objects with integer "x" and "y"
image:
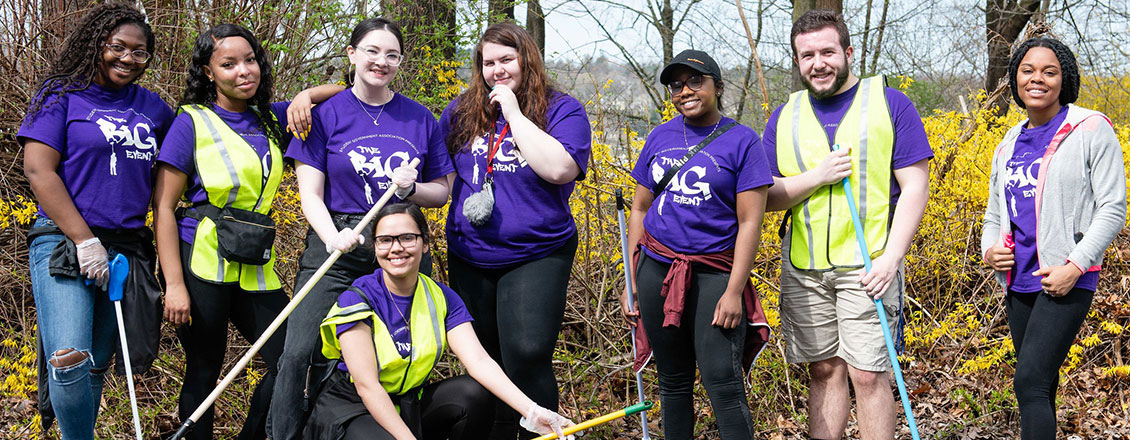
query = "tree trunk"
{"x": 423, "y": 21}
{"x": 500, "y": 10}
{"x": 799, "y": 8}
{"x": 666, "y": 27}
{"x": 866, "y": 34}
{"x": 1004, "y": 21}
{"x": 535, "y": 23}
{"x": 878, "y": 39}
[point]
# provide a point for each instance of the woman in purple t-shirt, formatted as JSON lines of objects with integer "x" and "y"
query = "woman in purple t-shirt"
{"x": 89, "y": 139}
{"x": 384, "y": 314}
{"x": 359, "y": 145}
{"x": 518, "y": 146}
{"x": 1057, "y": 199}
{"x": 704, "y": 228}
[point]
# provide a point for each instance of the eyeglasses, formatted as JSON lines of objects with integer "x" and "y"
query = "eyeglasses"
{"x": 392, "y": 58}
{"x": 119, "y": 51}
{"x": 694, "y": 82}
{"x": 407, "y": 240}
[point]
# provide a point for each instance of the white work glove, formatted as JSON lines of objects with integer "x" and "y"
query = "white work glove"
{"x": 404, "y": 177}
{"x": 93, "y": 261}
{"x": 543, "y": 421}
{"x": 345, "y": 241}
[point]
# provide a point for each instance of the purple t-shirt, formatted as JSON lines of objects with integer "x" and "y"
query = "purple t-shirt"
{"x": 531, "y": 217}
{"x": 179, "y": 145}
{"x": 911, "y": 144}
{"x": 1023, "y": 170}
{"x": 697, "y": 213}
{"x": 391, "y": 310}
{"x": 107, "y": 140}
{"x": 358, "y": 156}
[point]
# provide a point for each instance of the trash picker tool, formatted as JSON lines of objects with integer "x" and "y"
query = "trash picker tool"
{"x": 858, "y": 223}
{"x": 297, "y": 298}
{"x": 631, "y": 300}
{"x": 641, "y": 407}
{"x": 119, "y": 271}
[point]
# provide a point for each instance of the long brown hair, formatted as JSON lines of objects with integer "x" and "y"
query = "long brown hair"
{"x": 475, "y": 115}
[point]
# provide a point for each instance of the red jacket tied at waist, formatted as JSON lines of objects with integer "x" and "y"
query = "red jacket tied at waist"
{"x": 674, "y": 292}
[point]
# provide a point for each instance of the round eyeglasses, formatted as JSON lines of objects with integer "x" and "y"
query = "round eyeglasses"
{"x": 119, "y": 51}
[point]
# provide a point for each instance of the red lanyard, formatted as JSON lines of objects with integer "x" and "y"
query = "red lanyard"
{"x": 494, "y": 148}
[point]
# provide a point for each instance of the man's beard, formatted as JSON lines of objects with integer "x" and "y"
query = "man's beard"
{"x": 841, "y": 78}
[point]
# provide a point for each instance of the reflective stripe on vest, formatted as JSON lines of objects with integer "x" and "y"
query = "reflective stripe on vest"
{"x": 822, "y": 236}
{"x": 232, "y": 175}
{"x": 426, "y": 328}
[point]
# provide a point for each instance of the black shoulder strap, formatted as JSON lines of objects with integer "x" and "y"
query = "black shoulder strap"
{"x": 670, "y": 174}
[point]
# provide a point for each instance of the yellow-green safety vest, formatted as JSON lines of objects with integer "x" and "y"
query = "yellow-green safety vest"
{"x": 426, "y": 326}
{"x": 232, "y": 175}
{"x": 822, "y": 235}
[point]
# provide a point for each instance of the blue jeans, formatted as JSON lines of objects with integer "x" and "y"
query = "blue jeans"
{"x": 73, "y": 318}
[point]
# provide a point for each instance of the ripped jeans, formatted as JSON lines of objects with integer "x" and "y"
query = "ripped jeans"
{"x": 78, "y": 328}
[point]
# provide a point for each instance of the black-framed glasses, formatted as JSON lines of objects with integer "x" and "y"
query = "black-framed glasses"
{"x": 119, "y": 51}
{"x": 694, "y": 82}
{"x": 406, "y": 240}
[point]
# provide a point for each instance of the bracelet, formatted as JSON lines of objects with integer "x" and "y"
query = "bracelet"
{"x": 410, "y": 193}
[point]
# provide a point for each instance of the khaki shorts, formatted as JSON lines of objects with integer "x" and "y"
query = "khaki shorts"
{"x": 828, "y": 313}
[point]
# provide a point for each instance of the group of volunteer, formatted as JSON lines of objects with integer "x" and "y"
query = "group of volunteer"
{"x": 356, "y": 356}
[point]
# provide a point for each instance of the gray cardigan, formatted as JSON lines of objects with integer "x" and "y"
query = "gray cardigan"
{"x": 1080, "y": 193}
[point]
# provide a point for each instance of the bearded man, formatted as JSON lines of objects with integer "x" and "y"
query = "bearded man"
{"x": 828, "y": 316}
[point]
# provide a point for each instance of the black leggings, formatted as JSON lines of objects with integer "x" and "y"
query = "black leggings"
{"x": 205, "y": 343}
{"x": 518, "y": 312}
{"x": 1043, "y": 328}
{"x": 457, "y": 408}
{"x": 717, "y": 350}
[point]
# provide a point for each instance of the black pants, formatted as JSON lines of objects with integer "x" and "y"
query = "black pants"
{"x": 457, "y": 408}
{"x": 1043, "y": 328}
{"x": 718, "y": 353}
{"x": 518, "y": 312}
{"x": 205, "y": 344}
{"x": 302, "y": 357}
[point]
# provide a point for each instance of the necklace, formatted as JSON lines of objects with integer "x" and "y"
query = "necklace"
{"x": 396, "y": 307}
{"x": 688, "y": 144}
{"x": 375, "y": 123}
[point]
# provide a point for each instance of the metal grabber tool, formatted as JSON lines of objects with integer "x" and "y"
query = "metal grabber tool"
{"x": 631, "y": 300}
{"x": 119, "y": 271}
{"x": 641, "y": 408}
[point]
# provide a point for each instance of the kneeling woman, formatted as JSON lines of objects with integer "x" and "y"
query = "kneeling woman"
{"x": 387, "y": 330}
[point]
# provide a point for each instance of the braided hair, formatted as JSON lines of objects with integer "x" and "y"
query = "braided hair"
{"x": 77, "y": 62}
{"x": 200, "y": 90}
{"x": 1069, "y": 68}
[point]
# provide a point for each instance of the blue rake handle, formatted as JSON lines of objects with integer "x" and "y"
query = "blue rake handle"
{"x": 879, "y": 306}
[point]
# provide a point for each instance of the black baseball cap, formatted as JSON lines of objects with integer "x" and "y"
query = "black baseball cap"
{"x": 697, "y": 60}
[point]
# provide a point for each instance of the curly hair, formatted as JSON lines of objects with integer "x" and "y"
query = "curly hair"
{"x": 474, "y": 113}
{"x": 77, "y": 62}
{"x": 200, "y": 90}
{"x": 1069, "y": 68}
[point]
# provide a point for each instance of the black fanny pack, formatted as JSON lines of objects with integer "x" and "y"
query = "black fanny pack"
{"x": 243, "y": 236}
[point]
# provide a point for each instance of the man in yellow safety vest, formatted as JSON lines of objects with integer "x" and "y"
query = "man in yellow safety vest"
{"x": 827, "y": 311}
